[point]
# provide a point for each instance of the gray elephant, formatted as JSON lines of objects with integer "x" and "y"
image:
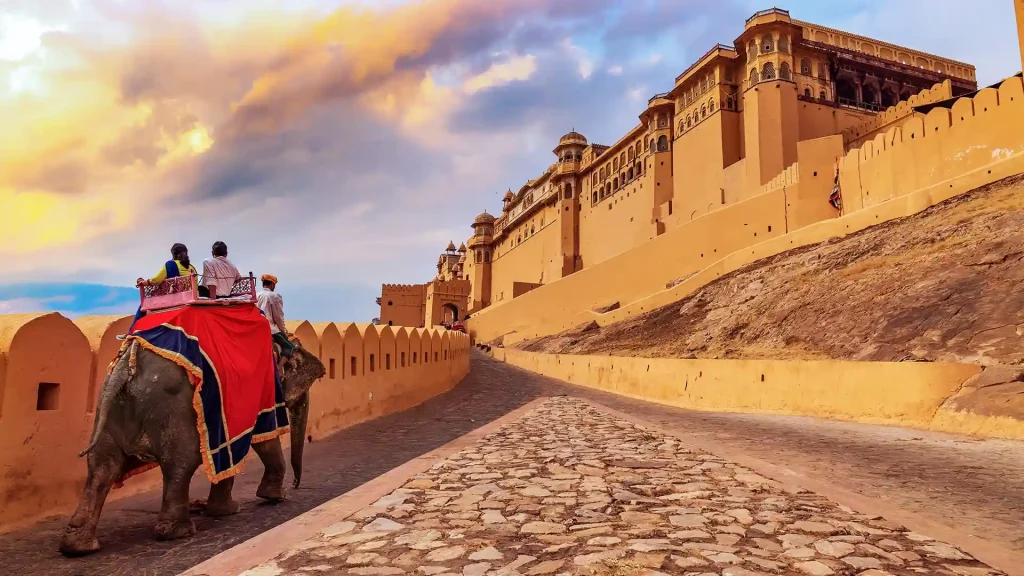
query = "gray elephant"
{"x": 145, "y": 414}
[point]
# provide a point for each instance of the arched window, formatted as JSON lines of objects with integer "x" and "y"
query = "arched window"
{"x": 630, "y": 174}
{"x": 768, "y": 71}
{"x": 766, "y": 44}
{"x": 753, "y": 76}
{"x": 682, "y": 126}
{"x": 487, "y": 256}
{"x": 822, "y": 71}
{"x": 601, "y": 173}
{"x": 594, "y": 201}
{"x": 479, "y": 256}
{"x": 639, "y": 149}
{"x": 704, "y": 111}
{"x": 615, "y": 183}
{"x": 622, "y": 159}
{"x": 631, "y": 154}
{"x": 653, "y": 146}
{"x": 532, "y": 232}
{"x": 805, "y": 67}
{"x": 807, "y": 92}
{"x": 784, "y": 71}
{"x": 704, "y": 84}
{"x": 638, "y": 169}
{"x": 689, "y": 121}
{"x": 568, "y": 193}
{"x": 711, "y": 79}
{"x": 662, "y": 143}
{"x": 728, "y": 102}
{"x": 711, "y": 107}
{"x": 821, "y": 95}
{"x": 728, "y": 74}
{"x": 579, "y": 156}
{"x": 751, "y": 50}
{"x": 615, "y": 164}
{"x": 696, "y": 116}
{"x": 783, "y": 44}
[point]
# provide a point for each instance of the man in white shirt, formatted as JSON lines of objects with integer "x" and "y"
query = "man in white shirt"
{"x": 219, "y": 274}
{"x": 272, "y": 306}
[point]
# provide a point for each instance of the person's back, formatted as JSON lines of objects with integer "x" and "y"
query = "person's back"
{"x": 219, "y": 274}
{"x": 270, "y": 303}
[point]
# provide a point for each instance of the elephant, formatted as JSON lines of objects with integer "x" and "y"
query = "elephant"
{"x": 145, "y": 414}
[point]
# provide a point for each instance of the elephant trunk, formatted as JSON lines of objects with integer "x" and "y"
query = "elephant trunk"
{"x": 298, "y": 414}
{"x": 123, "y": 371}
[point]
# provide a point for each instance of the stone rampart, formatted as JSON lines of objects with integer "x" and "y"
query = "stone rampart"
{"x": 52, "y": 370}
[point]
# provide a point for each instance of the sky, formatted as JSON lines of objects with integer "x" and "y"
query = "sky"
{"x": 337, "y": 144}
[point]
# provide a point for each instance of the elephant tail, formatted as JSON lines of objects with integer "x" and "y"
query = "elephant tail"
{"x": 116, "y": 379}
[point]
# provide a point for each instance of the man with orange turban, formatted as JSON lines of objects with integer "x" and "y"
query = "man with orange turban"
{"x": 272, "y": 306}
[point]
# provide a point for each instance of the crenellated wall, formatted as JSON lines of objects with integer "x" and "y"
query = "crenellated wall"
{"x": 52, "y": 370}
{"x": 934, "y": 150}
{"x": 910, "y": 167}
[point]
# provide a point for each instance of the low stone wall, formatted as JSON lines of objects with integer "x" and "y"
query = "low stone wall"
{"x": 52, "y": 370}
{"x": 909, "y": 394}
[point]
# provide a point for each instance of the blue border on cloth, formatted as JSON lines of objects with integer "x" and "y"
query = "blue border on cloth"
{"x": 224, "y": 454}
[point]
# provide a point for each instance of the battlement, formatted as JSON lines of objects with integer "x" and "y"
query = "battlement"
{"x": 953, "y": 138}
{"x": 937, "y": 93}
{"x": 402, "y": 288}
{"x": 48, "y": 400}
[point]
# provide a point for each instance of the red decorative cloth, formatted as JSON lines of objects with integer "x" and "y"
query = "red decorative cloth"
{"x": 228, "y": 354}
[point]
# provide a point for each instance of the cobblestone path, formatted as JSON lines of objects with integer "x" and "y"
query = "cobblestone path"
{"x": 568, "y": 489}
{"x": 973, "y": 485}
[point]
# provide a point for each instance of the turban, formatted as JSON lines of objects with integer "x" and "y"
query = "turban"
{"x": 269, "y": 278}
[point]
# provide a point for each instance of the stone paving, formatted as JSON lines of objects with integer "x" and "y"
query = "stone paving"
{"x": 568, "y": 489}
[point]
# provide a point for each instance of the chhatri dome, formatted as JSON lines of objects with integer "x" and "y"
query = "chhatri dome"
{"x": 573, "y": 137}
{"x": 462, "y": 248}
{"x": 509, "y": 196}
{"x": 483, "y": 218}
{"x": 451, "y": 246}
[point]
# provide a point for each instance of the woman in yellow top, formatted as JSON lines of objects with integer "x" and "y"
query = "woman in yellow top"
{"x": 179, "y": 265}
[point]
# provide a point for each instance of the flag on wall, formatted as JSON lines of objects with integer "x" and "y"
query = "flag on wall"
{"x": 836, "y": 197}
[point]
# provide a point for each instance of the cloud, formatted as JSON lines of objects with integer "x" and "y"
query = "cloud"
{"x": 336, "y": 146}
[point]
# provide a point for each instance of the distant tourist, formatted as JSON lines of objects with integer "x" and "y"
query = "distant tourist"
{"x": 219, "y": 274}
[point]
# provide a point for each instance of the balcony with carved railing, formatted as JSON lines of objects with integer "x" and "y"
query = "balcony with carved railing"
{"x": 512, "y": 217}
{"x": 564, "y": 168}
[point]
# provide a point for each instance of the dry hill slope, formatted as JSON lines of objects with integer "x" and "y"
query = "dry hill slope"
{"x": 942, "y": 285}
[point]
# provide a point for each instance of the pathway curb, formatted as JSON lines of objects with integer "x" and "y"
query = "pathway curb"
{"x": 279, "y": 539}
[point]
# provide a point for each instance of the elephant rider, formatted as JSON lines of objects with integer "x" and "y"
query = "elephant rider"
{"x": 219, "y": 274}
{"x": 178, "y": 265}
{"x": 272, "y": 306}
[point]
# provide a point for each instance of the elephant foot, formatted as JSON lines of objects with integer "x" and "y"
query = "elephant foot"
{"x": 175, "y": 529}
{"x": 78, "y": 543}
{"x": 271, "y": 489}
{"x": 221, "y": 509}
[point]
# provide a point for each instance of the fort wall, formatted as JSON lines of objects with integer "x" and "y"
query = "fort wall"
{"x": 899, "y": 173}
{"x": 851, "y": 391}
{"x": 52, "y": 370}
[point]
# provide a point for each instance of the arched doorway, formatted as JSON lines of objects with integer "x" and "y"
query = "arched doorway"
{"x": 449, "y": 313}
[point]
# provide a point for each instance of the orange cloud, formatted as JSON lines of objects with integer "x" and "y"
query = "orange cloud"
{"x": 97, "y": 134}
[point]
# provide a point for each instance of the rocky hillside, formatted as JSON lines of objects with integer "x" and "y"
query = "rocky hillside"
{"x": 943, "y": 285}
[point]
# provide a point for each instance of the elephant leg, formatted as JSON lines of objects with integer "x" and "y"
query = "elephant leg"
{"x": 106, "y": 463}
{"x": 272, "y": 485}
{"x": 177, "y": 466}
{"x": 220, "y": 502}
{"x": 298, "y": 414}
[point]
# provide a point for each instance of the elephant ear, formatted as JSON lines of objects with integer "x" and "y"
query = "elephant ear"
{"x": 299, "y": 371}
